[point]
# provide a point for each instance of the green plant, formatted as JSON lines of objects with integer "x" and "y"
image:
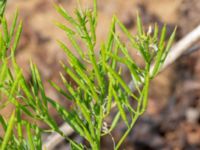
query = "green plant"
{"x": 11, "y": 81}
{"x": 99, "y": 89}
{"x": 2, "y": 7}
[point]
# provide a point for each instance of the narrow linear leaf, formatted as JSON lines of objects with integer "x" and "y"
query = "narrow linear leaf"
{"x": 5, "y": 29}
{"x": 19, "y": 125}
{"x": 169, "y": 44}
{"x": 61, "y": 91}
{"x": 114, "y": 124}
{"x": 80, "y": 83}
{"x": 110, "y": 40}
{"x": 127, "y": 33}
{"x": 65, "y": 28}
{"x": 74, "y": 61}
{"x": 163, "y": 35}
{"x": 3, "y": 71}
{"x": 2, "y": 7}
{"x": 9, "y": 130}
{"x": 92, "y": 26}
{"x": 16, "y": 41}
{"x": 120, "y": 107}
{"x": 30, "y": 137}
{"x": 115, "y": 121}
{"x": 63, "y": 13}
{"x": 155, "y": 35}
{"x": 76, "y": 146}
{"x": 67, "y": 116}
{"x": 109, "y": 98}
{"x": 121, "y": 81}
{"x": 158, "y": 61}
{"x": 3, "y": 122}
{"x": 14, "y": 23}
{"x": 139, "y": 25}
{"x": 71, "y": 36}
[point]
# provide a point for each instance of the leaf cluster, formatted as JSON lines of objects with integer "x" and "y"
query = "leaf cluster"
{"x": 98, "y": 90}
{"x": 102, "y": 87}
{"x": 10, "y": 92}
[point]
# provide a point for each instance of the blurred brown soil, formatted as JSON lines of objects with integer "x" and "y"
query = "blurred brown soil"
{"x": 172, "y": 120}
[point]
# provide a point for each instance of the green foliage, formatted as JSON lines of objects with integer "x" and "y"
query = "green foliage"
{"x": 11, "y": 93}
{"x": 2, "y": 7}
{"x": 99, "y": 89}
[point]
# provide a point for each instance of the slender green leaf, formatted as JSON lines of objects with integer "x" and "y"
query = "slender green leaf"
{"x": 17, "y": 38}
{"x": 5, "y": 29}
{"x": 61, "y": 91}
{"x": 71, "y": 118}
{"x": 9, "y": 130}
{"x": 62, "y": 12}
{"x": 73, "y": 59}
{"x": 14, "y": 23}
{"x": 120, "y": 107}
{"x": 92, "y": 26}
{"x": 169, "y": 44}
{"x": 139, "y": 25}
{"x": 155, "y": 35}
{"x": 3, "y": 122}
{"x": 163, "y": 35}
{"x": 30, "y": 137}
{"x": 121, "y": 81}
{"x": 2, "y": 7}
{"x": 110, "y": 40}
{"x": 76, "y": 146}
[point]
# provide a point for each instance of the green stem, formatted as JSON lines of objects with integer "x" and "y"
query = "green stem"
{"x": 127, "y": 131}
{"x": 96, "y": 144}
{"x": 146, "y": 90}
{"x": 143, "y": 99}
{"x": 142, "y": 103}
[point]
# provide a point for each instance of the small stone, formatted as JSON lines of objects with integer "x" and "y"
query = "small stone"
{"x": 192, "y": 115}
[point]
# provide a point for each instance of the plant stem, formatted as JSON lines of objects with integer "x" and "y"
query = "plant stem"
{"x": 95, "y": 146}
{"x": 143, "y": 101}
{"x": 127, "y": 131}
{"x": 146, "y": 89}
{"x": 96, "y": 143}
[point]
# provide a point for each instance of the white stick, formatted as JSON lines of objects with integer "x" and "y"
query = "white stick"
{"x": 179, "y": 48}
{"x": 54, "y": 139}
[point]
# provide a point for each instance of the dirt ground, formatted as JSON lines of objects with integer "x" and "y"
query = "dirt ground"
{"x": 172, "y": 121}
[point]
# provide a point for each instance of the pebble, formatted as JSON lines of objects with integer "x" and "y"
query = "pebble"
{"x": 192, "y": 115}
